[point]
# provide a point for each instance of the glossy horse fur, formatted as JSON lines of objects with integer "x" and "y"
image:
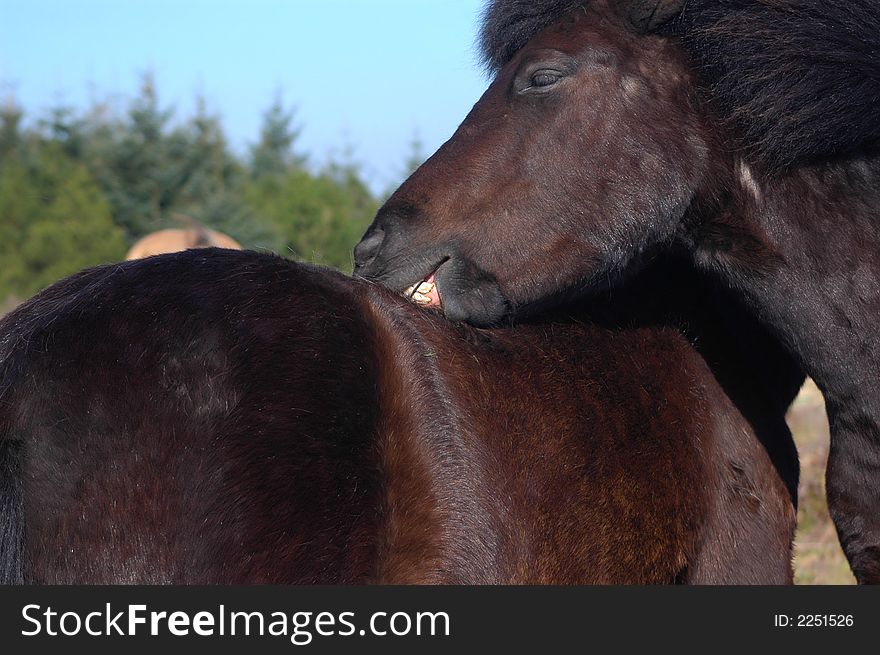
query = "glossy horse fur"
{"x": 227, "y": 417}
{"x": 742, "y": 133}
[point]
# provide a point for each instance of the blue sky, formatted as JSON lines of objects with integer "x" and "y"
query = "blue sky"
{"x": 368, "y": 74}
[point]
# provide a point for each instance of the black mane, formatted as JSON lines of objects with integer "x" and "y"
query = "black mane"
{"x": 509, "y": 24}
{"x": 798, "y": 80}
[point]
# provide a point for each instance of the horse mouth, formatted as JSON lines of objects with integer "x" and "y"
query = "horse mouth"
{"x": 456, "y": 287}
{"x": 425, "y": 292}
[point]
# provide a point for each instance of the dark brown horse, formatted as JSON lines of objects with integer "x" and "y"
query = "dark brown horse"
{"x": 745, "y": 133}
{"x": 229, "y": 417}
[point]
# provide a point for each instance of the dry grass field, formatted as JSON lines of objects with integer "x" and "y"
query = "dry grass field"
{"x": 818, "y": 558}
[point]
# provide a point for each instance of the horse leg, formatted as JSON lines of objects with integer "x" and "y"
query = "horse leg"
{"x": 852, "y": 480}
{"x": 749, "y": 528}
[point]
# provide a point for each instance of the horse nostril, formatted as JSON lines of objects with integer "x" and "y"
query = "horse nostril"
{"x": 368, "y": 248}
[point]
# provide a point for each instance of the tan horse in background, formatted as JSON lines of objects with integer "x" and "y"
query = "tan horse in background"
{"x": 177, "y": 239}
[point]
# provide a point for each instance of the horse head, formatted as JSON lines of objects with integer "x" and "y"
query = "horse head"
{"x": 584, "y": 153}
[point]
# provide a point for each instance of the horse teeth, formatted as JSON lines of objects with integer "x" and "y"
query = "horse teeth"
{"x": 420, "y": 292}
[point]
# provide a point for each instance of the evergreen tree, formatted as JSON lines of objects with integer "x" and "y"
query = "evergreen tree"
{"x": 75, "y": 189}
{"x": 152, "y": 173}
{"x": 274, "y": 154}
{"x": 213, "y": 193}
{"x": 67, "y": 130}
{"x": 320, "y": 217}
{"x": 10, "y": 129}
{"x": 137, "y": 165}
{"x": 56, "y": 221}
{"x": 415, "y": 157}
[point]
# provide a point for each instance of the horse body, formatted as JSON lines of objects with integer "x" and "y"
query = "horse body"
{"x": 744, "y": 133}
{"x": 224, "y": 417}
{"x": 176, "y": 239}
{"x": 821, "y": 296}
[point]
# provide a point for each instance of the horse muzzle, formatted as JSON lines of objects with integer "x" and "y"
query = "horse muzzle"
{"x": 437, "y": 276}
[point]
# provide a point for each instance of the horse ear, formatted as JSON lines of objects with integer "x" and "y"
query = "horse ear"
{"x": 651, "y": 15}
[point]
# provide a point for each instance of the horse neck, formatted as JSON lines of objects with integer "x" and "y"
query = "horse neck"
{"x": 756, "y": 373}
{"x": 804, "y": 252}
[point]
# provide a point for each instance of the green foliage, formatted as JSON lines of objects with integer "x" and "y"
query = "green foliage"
{"x": 151, "y": 172}
{"x": 76, "y": 189}
{"x": 273, "y": 154}
{"x": 10, "y": 130}
{"x": 54, "y": 223}
{"x": 320, "y": 217}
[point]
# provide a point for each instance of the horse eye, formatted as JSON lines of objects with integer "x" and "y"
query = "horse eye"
{"x": 545, "y": 78}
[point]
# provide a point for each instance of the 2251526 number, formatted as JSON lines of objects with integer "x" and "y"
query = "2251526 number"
{"x": 813, "y": 621}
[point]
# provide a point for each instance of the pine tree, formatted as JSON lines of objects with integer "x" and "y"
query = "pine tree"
{"x": 274, "y": 153}
{"x": 10, "y": 128}
{"x": 416, "y": 155}
{"x": 77, "y": 188}
{"x": 137, "y": 165}
{"x": 56, "y": 221}
{"x": 320, "y": 217}
{"x": 67, "y": 130}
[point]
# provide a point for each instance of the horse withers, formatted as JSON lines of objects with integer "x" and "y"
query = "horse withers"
{"x": 230, "y": 417}
{"x": 743, "y": 133}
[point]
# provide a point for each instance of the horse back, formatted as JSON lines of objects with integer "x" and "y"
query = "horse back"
{"x": 223, "y": 417}
{"x": 567, "y": 452}
{"x": 196, "y": 418}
